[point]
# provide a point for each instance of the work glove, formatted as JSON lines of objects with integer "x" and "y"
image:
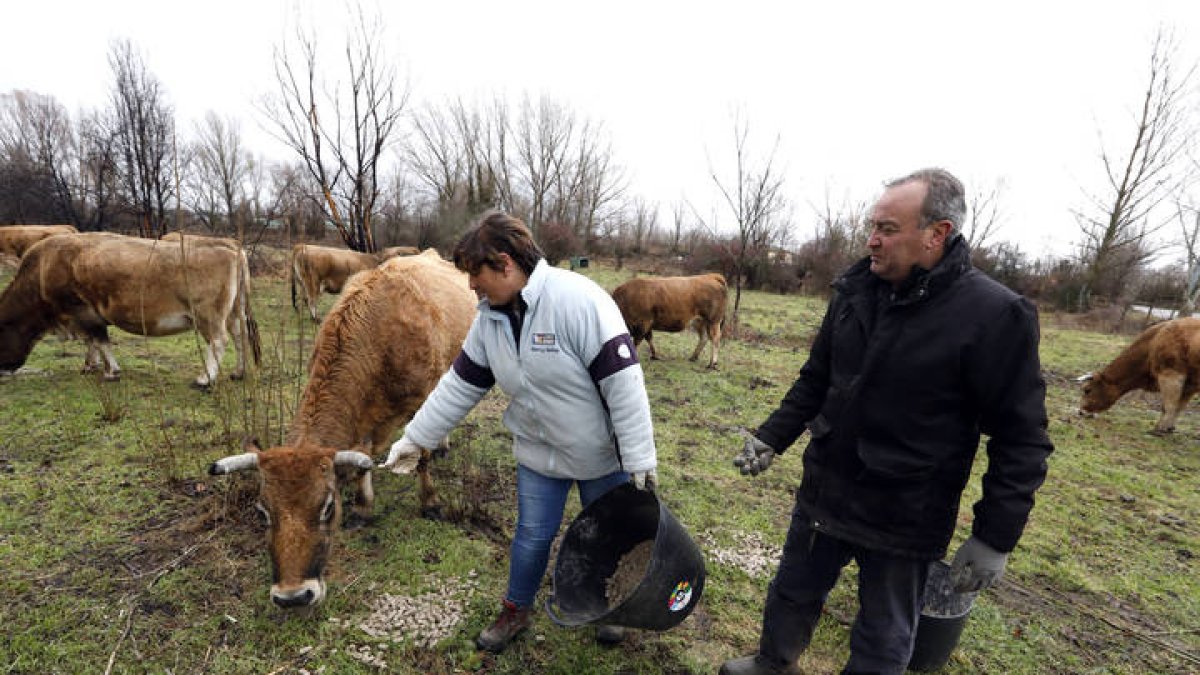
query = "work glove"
{"x": 644, "y": 480}
{"x": 403, "y": 457}
{"x": 755, "y": 457}
{"x": 976, "y": 566}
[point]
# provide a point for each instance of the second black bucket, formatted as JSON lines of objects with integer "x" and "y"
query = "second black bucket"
{"x": 943, "y": 615}
{"x": 592, "y": 548}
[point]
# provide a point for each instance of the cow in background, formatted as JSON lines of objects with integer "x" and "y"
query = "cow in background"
{"x": 1164, "y": 358}
{"x": 671, "y": 304}
{"x": 90, "y": 281}
{"x": 323, "y": 268}
{"x": 383, "y": 347}
{"x": 16, "y": 239}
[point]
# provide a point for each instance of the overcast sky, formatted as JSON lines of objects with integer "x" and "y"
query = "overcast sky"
{"x": 856, "y": 91}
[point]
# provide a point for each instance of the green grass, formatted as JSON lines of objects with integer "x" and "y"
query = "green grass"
{"x": 116, "y": 545}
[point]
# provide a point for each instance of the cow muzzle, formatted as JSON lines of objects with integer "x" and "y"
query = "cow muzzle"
{"x": 309, "y": 593}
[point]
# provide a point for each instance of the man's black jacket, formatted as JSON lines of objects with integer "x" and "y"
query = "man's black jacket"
{"x": 896, "y": 391}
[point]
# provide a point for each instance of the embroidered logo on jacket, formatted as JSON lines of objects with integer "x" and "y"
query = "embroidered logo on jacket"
{"x": 545, "y": 342}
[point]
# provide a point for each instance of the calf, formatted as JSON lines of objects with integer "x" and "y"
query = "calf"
{"x": 671, "y": 304}
{"x": 1164, "y": 358}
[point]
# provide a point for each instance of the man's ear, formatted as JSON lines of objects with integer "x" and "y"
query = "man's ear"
{"x": 507, "y": 261}
{"x": 941, "y": 232}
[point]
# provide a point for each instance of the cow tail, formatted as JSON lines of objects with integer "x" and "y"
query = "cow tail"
{"x": 292, "y": 278}
{"x": 250, "y": 325}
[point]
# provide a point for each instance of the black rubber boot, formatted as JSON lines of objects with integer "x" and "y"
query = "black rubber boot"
{"x": 753, "y": 665}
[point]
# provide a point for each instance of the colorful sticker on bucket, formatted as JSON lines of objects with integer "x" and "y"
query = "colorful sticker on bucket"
{"x": 680, "y": 596}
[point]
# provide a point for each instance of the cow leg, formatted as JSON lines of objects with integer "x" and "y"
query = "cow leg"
{"x": 714, "y": 336}
{"x": 431, "y": 505}
{"x": 650, "y": 342}
{"x": 702, "y": 332}
{"x": 312, "y": 292}
{"x": 213, "y": 353}
{"x": 99, "y": 351}
{"x": 1170, "y": 387}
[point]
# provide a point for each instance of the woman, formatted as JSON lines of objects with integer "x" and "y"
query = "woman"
{"x": 578, "y": 411}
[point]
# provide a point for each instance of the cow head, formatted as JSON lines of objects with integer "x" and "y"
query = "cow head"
{"x": 1099, "y": 393}
{"x": 299, "y": 497}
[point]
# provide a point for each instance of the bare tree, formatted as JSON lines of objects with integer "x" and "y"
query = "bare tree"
{"x": 98, "y": 169}
{"x": 145, "y": 131}
{"x": 643, "y": 223}
{"x": 984, "y": 215}
{"x": 340, "y": 131}
{"x": 1118, "y": 224}
{"x": 220, "y": 172}
{"x": 1188, "y": 216}
{"x": 37, "y": 133}
{"x": 755, "y": 199}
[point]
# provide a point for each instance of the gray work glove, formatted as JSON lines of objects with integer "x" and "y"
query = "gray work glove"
{"x": 755, "y": 457}
{"x": 644, "y": 480}
{"x": 976, "y": 566}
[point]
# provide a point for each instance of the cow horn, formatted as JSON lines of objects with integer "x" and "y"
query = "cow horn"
{"x": 1084, "y": 377}
{"x": 242, "y": 462}
{"x": 353, "y": 458}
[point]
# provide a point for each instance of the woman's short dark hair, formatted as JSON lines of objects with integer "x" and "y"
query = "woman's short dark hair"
{"x": 497, "y": 233}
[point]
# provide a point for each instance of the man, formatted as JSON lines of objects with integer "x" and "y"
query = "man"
{"x": 917, "y": 355}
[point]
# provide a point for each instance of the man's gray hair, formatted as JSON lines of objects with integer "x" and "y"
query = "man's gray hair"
{"x": 945, "y": 199}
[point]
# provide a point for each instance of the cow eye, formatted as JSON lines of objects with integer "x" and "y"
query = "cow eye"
{"x": 262, "y": 511}
{"x": 328, "y": 509}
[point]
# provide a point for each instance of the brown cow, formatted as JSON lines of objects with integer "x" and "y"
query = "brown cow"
{"x": 93, "y": 280}
{"x": 1164, "y": 358}
{"x": 322, "y": 268}
{"x": 16, "y": 239}
{"x": 670, "y": 304}
{"x": 385, "y": 344}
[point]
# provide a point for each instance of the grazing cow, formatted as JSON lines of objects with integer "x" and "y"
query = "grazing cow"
{"x": 380, "y": 351}
{"x": 90, "y": 281}
{"x": 322, "y": 268}
{"x": 1164, "y": 358}
{"x": 670, "y": 304}
{"x": 16, "y": 239}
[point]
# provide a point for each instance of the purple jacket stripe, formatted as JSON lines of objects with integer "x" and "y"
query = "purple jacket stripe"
{"x": 473, "y": 373}
{"x": 613, "y": 358}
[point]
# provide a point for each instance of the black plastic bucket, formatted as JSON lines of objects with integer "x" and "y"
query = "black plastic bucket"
{"x": 592, "y": 548}
{"x": 943, "y": 615}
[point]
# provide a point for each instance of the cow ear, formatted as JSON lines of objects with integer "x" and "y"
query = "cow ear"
{"x": 250, "y": 444}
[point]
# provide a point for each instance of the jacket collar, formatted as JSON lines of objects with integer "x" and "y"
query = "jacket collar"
{"x": 920, "y": 284}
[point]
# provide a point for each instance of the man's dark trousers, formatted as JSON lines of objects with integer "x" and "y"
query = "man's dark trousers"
{"x": 890, "y": 590}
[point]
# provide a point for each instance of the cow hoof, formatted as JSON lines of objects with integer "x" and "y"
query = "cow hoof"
{"x": 440, "y": 452}
{"x": 236, "y": 377}
{"x": 1162, "y": 432}
{"x": 202, "y": 386}
{"x": 432, "y": 513}
{"x": 114, "y": 377}
{"x": 712, "y": 366}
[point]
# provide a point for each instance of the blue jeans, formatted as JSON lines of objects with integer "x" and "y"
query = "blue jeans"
{"x": 540, "y": 503}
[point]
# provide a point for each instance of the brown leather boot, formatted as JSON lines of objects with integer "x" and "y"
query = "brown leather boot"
{"x": 508, "y": 625}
